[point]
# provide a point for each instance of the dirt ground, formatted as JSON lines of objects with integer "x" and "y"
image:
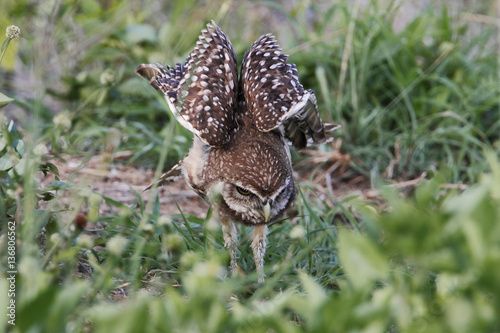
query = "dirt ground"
{"x": 120, "y": 182}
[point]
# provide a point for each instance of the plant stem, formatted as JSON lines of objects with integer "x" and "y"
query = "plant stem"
{"x": 5, "y": 44}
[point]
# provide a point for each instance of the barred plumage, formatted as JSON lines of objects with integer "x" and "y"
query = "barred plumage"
{"x": 240, "y": 161}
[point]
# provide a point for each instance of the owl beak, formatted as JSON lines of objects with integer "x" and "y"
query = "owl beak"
{"x": 266, "y": 210}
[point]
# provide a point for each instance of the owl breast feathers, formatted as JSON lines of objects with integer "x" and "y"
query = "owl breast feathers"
{"x": 240, "y": 160}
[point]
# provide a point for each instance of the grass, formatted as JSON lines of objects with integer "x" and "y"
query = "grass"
{"x": 421, "y": 100}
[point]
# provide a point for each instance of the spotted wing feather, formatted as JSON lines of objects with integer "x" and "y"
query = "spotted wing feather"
{"x": 202, "y": 92}
{"x": 171, "y": 175}
{"x": 275, "y": 98}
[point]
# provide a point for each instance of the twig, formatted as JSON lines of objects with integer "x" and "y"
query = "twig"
{"x": 480, "y": 18}
{"x": 458, "y": 186}
{"x": 410, "y": 183}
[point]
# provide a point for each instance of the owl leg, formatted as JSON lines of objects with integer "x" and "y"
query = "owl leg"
{"x": 259, "y": 249}
{"x": 230, "y": 239}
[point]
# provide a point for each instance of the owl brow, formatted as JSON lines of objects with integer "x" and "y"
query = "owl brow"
{"x": 252, "y": 191}
{"x": 282, "y": 188}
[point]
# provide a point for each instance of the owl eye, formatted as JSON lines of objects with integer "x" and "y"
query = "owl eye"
{"x": 243, "y": 191}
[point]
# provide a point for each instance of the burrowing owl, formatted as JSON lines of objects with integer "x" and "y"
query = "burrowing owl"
{"x": 240, "y": 160}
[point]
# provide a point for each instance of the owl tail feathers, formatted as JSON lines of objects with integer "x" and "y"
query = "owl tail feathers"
{"x": 329, "y": 128}
{"x": 307, "y": 129}
{"x": 150, "y": 72}
{"x": 321, "y": 136}
{"x": 171, "y": 175}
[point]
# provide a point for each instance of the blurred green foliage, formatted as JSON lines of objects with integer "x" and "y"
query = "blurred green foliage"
{"x": 423, "y": 98}
{"x": 427, "y": 263}
{"x": 417, "y": 99}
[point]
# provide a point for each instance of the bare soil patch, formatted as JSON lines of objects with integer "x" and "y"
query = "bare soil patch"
{"x": 123, "y": 183}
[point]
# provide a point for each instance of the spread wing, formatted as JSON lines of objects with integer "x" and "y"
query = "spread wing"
{"x": 275, "y": 98}
{"x": 201, "y": 93}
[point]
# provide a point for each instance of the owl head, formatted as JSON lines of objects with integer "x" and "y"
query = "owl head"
{"x": 252, "y": 178}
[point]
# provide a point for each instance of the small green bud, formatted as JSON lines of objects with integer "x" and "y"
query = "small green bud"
{"x": 107, "y": 77}
{"x": 85, "y": 241}
{"x": 298, "y": 232}
{"x": 63, "y": 121}
{"x": 117, "y": 245}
